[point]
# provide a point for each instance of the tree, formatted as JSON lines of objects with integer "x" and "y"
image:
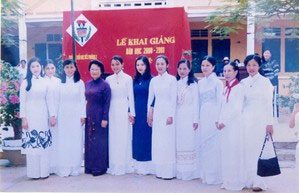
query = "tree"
{"x": 9, "y": 108}
{"x": 10, "y": 10}
{"x": 233, "y": 14}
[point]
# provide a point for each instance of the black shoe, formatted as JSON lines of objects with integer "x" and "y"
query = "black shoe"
{"x": 43, "y": 178}
{"x": 87, "y": 171}
{"x": 257, "y": 189}
{"x": 98, "y": 173}
{"x": 168, "y": 178}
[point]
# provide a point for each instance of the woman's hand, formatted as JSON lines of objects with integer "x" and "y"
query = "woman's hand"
{"x": 52, "y": 121}
{"x": 269, "y": 129}
{"x": 195, "y": 126}
{"x": 131, "y": 119}
{"x": 221, "y": 126}
{"x": 169, "y": 121}
{"x": 82, "y": 121}
{"x": 150, "y": 117}
{"x": 104, "y": 123}
{"x": 24, "y": 123}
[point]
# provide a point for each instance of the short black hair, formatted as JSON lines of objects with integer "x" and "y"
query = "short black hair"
{"x": 118, "y": 58}
{"x": 255, "y": 57}
{"x": 98, "y": 63}
{"x": 163, "y": 57}
{"x": 211, "y": 60}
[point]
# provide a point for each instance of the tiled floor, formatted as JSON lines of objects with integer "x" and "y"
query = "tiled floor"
{"x": 13, "y": 179}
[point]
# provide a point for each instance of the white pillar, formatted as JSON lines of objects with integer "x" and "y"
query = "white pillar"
{"x": 250, "y": 34}
{"x": 251, "y": 27}
{"x": 22, "y": 38}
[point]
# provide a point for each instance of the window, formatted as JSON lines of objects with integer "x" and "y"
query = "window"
{"x": 54, "y": 37}
{"x": 292, "y": 50}
{"x": 215, "y": 34}
{"x": 199, "y": 50}
{"x": 272, "y": 42}
{"x": 57, "y": 37}
{"x": 292, "y": 32}
{"x": 50, "y": 37}
{"x": 271, "y": 32}
{"x": 199, "y": 33}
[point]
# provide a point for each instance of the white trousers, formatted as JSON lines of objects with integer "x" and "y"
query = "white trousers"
{"x": 38, "y": 165}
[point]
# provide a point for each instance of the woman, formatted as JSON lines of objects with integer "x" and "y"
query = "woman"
{"x": 121, "y": 116}
{"x": 257, "y": 118}
{"x": 270, "y": 69}
{"x": 210, "y": 94}
{"x": 98, "y": 96}
{"x": 71, "y": 118}
{"x": 142, "y": 133}
{"x": 186, "y": 122}
{"x": 36, "y": 106}
{"x": 163, "y": 89}
{"x": 54, "y": 82}
{"x": 231, "y": 133}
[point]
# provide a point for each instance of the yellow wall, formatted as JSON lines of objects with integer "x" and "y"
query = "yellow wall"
{"x": 238, "y": 41}
{"x": 39, "y": 35}
{"x": 54, "y": 6}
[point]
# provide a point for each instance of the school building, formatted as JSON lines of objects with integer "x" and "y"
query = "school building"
{"x": 39, "y": 32}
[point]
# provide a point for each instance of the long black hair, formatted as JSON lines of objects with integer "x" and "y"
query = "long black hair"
{"x": 147, "y": 74}
{"x": 29, "y": 73}
{"x": 76, "y": 74}
{"x": 263, "y": 58}
{"x": 191, "y": 77}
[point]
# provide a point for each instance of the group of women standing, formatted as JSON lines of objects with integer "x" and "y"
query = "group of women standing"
{"x": 52, "y": 148}
{"x": 163, "y": 125}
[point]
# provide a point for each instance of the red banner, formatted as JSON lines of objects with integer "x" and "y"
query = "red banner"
{"x": 128, "y": 33}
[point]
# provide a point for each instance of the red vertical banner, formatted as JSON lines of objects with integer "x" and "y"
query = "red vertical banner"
{"x": 128, "y": 33}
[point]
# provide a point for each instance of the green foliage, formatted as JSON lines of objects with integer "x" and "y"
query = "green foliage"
{"x": 9, "y": 96}
{"x": 233, "y": 14}
{"x": 293, "y": 95}
{"x": 10, "y": 10}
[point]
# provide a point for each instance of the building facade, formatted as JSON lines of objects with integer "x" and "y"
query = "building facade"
{"x": 40, "y": 32}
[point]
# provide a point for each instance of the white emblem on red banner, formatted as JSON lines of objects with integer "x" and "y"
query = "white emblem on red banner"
{"x": 84, "y": 30}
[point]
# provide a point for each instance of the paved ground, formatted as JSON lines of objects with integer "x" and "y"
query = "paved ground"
{"x": 13, "y": 179}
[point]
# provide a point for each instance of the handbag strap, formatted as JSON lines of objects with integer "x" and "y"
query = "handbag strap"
{"x": 266, "y": 139}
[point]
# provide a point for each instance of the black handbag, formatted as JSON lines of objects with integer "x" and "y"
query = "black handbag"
{"x": 268, "y": 167}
